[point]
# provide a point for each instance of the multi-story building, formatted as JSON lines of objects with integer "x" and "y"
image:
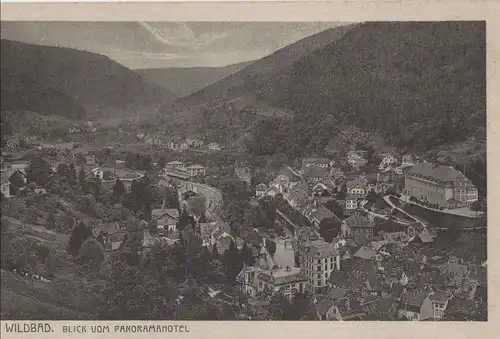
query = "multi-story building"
{"x": 441, "y": 185}
{"x": 318, "y": 260}
{"x": 196, "y": 170}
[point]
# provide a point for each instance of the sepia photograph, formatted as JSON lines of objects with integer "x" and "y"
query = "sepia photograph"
{"x": 243, "y": 171}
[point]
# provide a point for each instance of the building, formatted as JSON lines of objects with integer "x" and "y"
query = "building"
{"x": 175, "y": 165}
{"x": 260, "y": 190}
{"x": 196, "y": 170}
{"x": 441, "y": 185}
{"x": 317, "y": 258}
{"x": 387, "y": 160}
{"x": 388, "y": 175}
{"x": 316, "y": 162}
{"x": 214, "y": 147}
{"x": 287, "y": 281}
{"x": 434, "y": 306}
{"x": 410, "y": 306}
{"x": 351, "y": 204}
{"x": 91, "y": 158}
{"x": 357, "y": 224}
{"x": 98, "y": 173}
{"x": 357, "y": 187}
{"x": 5, "y": 175}
{"x": 166, "y": 219}
{"x": 314, "y": 175}
{"x": 243, "y": 173}
{"x": 356, "y": 159}
{"x": 316, "y": 212}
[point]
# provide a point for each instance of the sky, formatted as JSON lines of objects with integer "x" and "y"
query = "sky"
{"x": 167, "y": 44}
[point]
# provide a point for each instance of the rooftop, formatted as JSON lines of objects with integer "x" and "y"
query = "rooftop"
{"x": 358, "y": 221}
{"x": 283, "y": 276}
{"x": 437, "y": 173}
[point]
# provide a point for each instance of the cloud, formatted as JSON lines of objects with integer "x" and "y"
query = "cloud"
{"x": 167, "y": 44}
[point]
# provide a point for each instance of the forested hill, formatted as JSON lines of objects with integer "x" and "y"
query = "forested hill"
{"x": 233, "y": 85}
{"x": 61, "y": 81}
{"x": 420, "y": 84}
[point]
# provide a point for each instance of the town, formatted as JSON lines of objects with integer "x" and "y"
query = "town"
{"x": 352, "y": 235}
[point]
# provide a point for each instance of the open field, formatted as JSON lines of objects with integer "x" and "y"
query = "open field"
{"x": 24, "y": 298}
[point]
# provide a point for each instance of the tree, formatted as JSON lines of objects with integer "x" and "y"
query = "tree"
{"x": 232, "y": 262}
{"x": 91, "y": 255}
{"x": 20, "y": 253}
{"x": 162, "y": 162}
{"x": 279, "y": 307}
{"x": 247, "y": 255}
{"x": 334, "y": 207}
{"x": 139, "y": 294}
{"x": 71, "y": 174}
{"x": 80, "y": 233}
{"x": 372, "y": 197}
{"x": 329, "y": 228}
{"x": 82, "y": 178}
{"x": 118, "y": 189}
{"x": 50, "y": 222}
{"x": 38, "y": 171}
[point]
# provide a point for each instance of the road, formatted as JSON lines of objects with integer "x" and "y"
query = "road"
{"x": 212, "y": 195}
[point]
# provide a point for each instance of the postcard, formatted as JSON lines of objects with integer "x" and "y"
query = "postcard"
{"x": 249, "y": 169}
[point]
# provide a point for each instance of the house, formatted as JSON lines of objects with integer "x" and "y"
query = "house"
{"x": 316, "y": 162}
{"x": 440, "y": 185}
{"x": 357, "y": 224}
{"x": 196, "y": 170}
{"x": 388, "y": 174}
{"x": 216, "y": 233}
{"x": 40, "y": 190}
{"x": 194, "y": 142}
{"x": 387, "y": 160}
{"x": 213, "y": 146}
{"x": 247, "y": 279}
{"x": 407, "y": 159}
{"x": 175, "y": 165}
{"x": 272, "y": 191}
{"x": 98, "y": 173}
{"x": 357, "y": 187}
{"x": 410, "y": 306}
{"x": 5, "y": 175}
{"x": 205, "y": 230}
{"x": 434, "y": 305}
{"x": 166, "y": 219}
{"x": 287, "y": 281}
{"x": 298, "y": 197}
{"x": 20, "y": 165}
{"x": 111, "y": 236}
{"x": 316, "y": 212}
{"x": 243, "y": 173}
{"x": 315, "y": 174}
{"x": 90, "y": 158}
{"x": 351, "y": 204}
{"x": 356, "y": 159}
{"x": 260, "y": 190}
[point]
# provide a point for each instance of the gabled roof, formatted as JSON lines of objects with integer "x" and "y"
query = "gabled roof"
{"x": 437, "y": 173}
{"x": 358, "y": 221}
{"x": 323, "y": 306}
{"x": 316, "y": 172}
{"x": 261, "y": 187}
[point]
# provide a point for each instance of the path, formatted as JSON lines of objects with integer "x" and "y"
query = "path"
{"x": 387, "y": 199}
{"x": 362, "y": 206}
{"x": 461, "y": 212}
